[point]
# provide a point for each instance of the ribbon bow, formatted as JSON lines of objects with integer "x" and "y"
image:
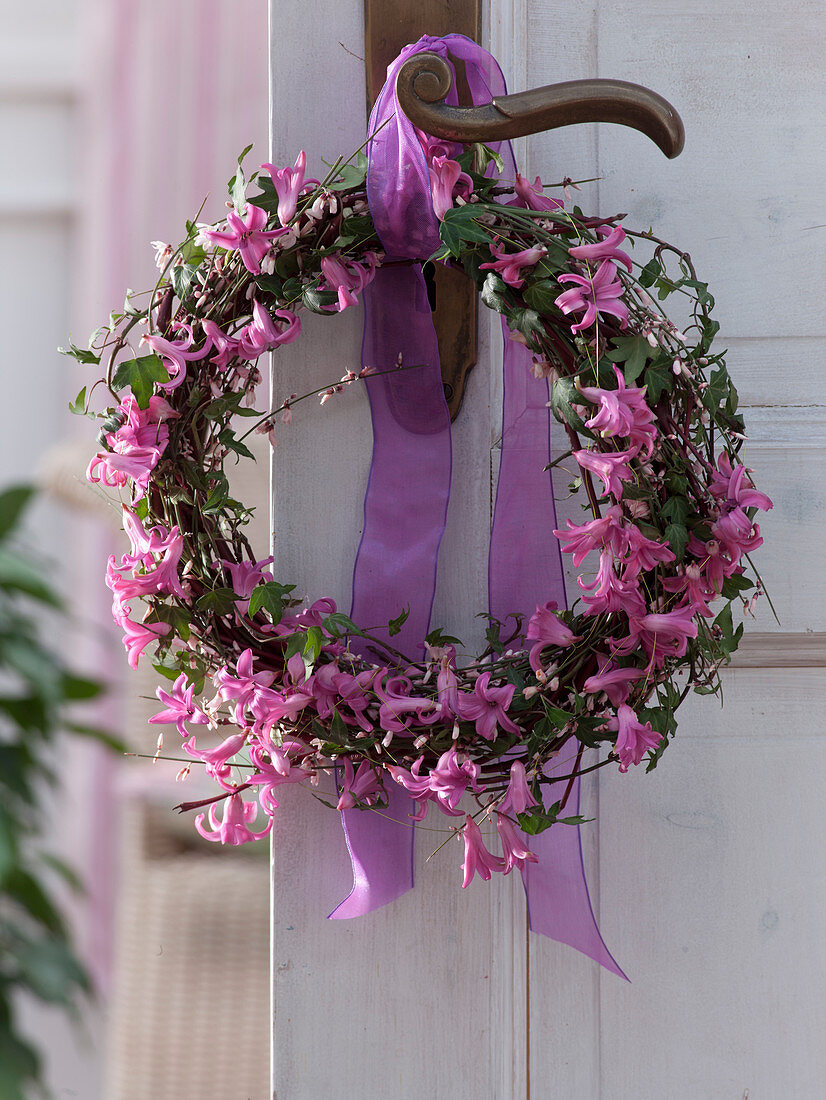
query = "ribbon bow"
{"x": 405, "y": 506}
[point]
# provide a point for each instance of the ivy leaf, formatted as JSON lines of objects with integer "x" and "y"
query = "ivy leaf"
{"x": 677, "y": 509}
{"x": 458, "y": 228}
{"x": 676, "y": 535}
{"x": 564, "y": 395}
{"x": 182, "y": 277}
{"x": 337, "y": 624}
{"x": 218, "y": 496}
{"x": 526, "y": 321}
{"x": 221, "y": 601}
{"x": 492, "y": 292}
{"x": 140, "y": 375}
{"x": 78, "y": 406}
{"x": 83, "y": 355}
{"x": 649, "y": 273}
{"x": 395, "y": 625}
{"x": 270, "y": 597}
{"x": 733, "y": 586}
{"x": 659, "y": 379}
{"x": 634, "y": 351}
{"x": 318, "y": 300}
{"x": 541, "y": 295}
{"x": 227, "y": 437}
{"x": 437, "y": 638}
{"x": 350, "y": 175}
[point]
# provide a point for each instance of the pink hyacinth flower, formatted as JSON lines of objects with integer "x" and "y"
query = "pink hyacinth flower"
{"x": 399, "y": 708}
{"x": 478, "y": 860}
{"x": 610, "y": 593}
{"x": 532, "y": 196}
{"x": 612, "y": 468}
{"x": 545, "y": 628}
{"x": 235, "y": 826}
{"x": 347, "y": 277}
{"x": 263, "y": 334}
{"x": 288, "y": 184}
{"x": 179, "y": 707}
{"x": 633, "y": 738}
{"x": 137, "y": 636}
{"x": 606, "y": 249}
{"x": 509, "y": 265}
{"x": 613, "y": 680}
{"x": 597, "y": 294}
{"x": 606, "y": 532}
{"x": 446, "y": 176}
{"x": 248, "y": 235}
{"x": 622, "y": 412}
{"x": 643, "y": 554}
{"x": 241, "y": 688}
{"x": 734, "y": 486}
{"x": 514, "y": 846}
{"x": 663, "y": 634}
{"x": 453, "y": 775}
{"x": 487, "y": 707}
{"x": 518, "y": 796}
{"x": 362, "y": 786}
{"x": 174, "y": 354}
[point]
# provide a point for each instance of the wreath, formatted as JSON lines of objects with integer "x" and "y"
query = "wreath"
{"x": 295, "y": 690}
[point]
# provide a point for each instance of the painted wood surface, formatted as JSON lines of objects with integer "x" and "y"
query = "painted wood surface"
{"x": 709, "y": 875}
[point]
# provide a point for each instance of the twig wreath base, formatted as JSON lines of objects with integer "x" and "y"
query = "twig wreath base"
{"x": 654, "y": 432}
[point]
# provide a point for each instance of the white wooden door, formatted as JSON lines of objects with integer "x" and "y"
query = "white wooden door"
{"x": 709, "y": 877}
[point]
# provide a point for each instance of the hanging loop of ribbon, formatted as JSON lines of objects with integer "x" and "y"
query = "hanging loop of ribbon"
{"x": 405, "y": 507}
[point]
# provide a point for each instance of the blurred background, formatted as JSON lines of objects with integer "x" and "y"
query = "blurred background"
{"x": 117, "y": 119}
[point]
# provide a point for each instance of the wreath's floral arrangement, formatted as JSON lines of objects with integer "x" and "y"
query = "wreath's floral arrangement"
{"x": 655, "y": 437}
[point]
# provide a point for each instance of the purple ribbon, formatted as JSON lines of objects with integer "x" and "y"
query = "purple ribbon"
{"x": 405, "y": 505}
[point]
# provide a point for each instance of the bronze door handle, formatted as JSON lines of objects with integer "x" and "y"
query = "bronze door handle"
{"x": 425, "y": 79}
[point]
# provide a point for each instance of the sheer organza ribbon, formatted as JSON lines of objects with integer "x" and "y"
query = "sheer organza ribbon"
{"x": 405, "y": 506}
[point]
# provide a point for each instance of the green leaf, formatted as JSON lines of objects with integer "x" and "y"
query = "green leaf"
{"x": 8, "y": 843}
{"x": 218, "y": 496}
{"x": 350, "y": 175}
{"x": 19, "y": 1065}
{"x": 649, "y": 273}
{"x": 220, "y": 601}
{"x": 182, "y": 278}
{"x": 96, "y": 733}
{"x": 13, "y": 503}
{"x": 23, "y": 889}
{"x": 395, "y": 625}
{"x": 50, "y": 970}
{"x": 634, "y": 351}
{"x": 17, "y": 575}
{"x": 437, "y": 638}
{"x": 140, "y": 375}
{"x": 318, "y": 300}
{"x": 313, "y": 641}
{"x": 541, "y": 295}
{"x": 79, "y": 687}
{"x": 526, "y": 321}
{"x": 83, "y": 355}
{"x": 492, "y": 292}
{"x": 227, "y": 438}
{"x": 78, "y": 406}
{"x": 458, "y": 229}
{"x": 676, "y": 509}
{"x": 733, "y": 586}
{"x": 564, "y": 395}
{"x": 270, "y": 597}
{"x": 337, "y": 624}
{"x": 660, "y": 380}
{"x": 676, "y": 535}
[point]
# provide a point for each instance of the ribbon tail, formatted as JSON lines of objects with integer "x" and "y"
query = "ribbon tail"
{"x": 559, "y": 903}
{"x": 381, "y": 852}
{"x": 526, "y": 569}
{"x": 405, "y": 509}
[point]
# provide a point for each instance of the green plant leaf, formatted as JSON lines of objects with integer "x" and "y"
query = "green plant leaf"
{"x": 220, "y": 601}
{"x": 634, "y": 351}
{"x": 140, "y": 375}
{"x": 13, "y": 503}
{"x": 270, "y": 597}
